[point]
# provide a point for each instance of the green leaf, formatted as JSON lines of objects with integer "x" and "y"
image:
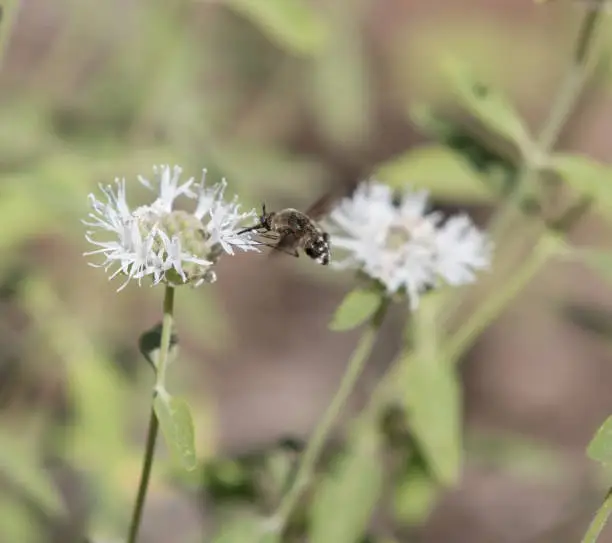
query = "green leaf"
{"x": 149, "y": 345}
{"x": 357, "y": 307}
{"x": 443, "y": 172}
{"x": 292, "y": 24}
{"x": 600, "y": 447}
{"x": 415, "y": 496}
{"x": 433, "y": 395}
{"x": 433, "y": 404}
{"x": 176, "y": 424}
{"x": 487, "y": 105}
{"x": 280, "y": 466}
{"x": 17, "y": 522}
{"x": 346, "y": 498}
{"x": 599, "y": 261}
{"x": 245, "y": 528}
{"x": 585, "y": 175}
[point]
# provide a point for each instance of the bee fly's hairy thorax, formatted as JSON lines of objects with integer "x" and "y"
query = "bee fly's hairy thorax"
{"x": 290, "y": 219}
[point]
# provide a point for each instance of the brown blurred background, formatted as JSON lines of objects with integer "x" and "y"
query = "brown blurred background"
{"x": 93, "y": 90}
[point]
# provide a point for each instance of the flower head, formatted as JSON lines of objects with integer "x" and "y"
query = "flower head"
{"x": 160, "y": 241}
{"x": 397, "y": 242}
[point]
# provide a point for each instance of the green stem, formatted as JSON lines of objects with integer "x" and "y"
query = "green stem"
{"x": 321, "y": 432}
{"x": 599, "y": 521}
{"x": 570, "y": 88}
{"x": 563, "y": 103}
{"x": 144, "y": 477}
{"x": 166, "y": 335}
{"x": 498, "y": 300}
{"x": 562, "y": 106}
{"x": 153, "y": 422}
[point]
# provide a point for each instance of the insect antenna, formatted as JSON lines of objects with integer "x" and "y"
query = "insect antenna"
{"x": 257, "y": 226}
{"x": 249, "y": 229}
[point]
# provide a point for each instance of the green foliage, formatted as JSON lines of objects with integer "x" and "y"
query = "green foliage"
{"x": 415, "y": 496}
{"x": 340, "y": 95}
{"x": 432, "y": 396}
{"x": 18, "y": 222}
{"x": 444, "y": 172}
{"x": 357, "y": 307}
{"x": 96, "y": 440}
{"x": 148, "y": 105}
{"x": 600, "y": 447}
{"x": 599, "y": 521}
{"x": 586, "y": 176}
{"x": 246, "y": 527}
{"x": 20, "y": 465}
{"x": 176, "y": 424}
{"x": 150, "y": 343}
{"x": 17, "y": 524}
{"x": 345, "y": 500}
{"x": 492, "y": 164}
{"x": 433, "y": 403}
{"x": 98, "y": 435}
{"x": 487, "y": 105}
{"x": 27, "y": 140}
{"x": 293, "y": 24}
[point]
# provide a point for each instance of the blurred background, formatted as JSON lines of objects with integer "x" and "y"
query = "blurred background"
{"x": 287, "y": 99}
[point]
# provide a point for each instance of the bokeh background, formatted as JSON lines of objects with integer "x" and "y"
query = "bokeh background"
{"x": 286, "y": 99}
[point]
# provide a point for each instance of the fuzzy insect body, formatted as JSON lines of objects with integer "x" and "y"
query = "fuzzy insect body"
{"x": 293, "y": 230}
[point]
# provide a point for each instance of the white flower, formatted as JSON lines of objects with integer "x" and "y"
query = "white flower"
{"x": 399, "y": 243}
{"x": 160, "y": 241}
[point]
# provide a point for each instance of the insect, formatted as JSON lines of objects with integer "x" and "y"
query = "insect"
{"x": 293, "y": 230}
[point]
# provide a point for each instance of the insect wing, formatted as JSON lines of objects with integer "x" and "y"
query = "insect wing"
{"x": 323, "y": 205}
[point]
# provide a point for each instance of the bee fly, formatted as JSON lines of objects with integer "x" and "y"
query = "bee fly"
{"x": 293, "y": 230}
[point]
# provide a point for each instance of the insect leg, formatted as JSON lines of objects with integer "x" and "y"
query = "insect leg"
{"x": 268, "y": 235}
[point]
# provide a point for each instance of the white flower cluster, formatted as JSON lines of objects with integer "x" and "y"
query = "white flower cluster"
{"x": 162, "y": 242}
{"x": 396, "y": 241}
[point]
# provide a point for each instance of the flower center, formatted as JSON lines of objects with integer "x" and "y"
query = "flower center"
{"x": 397, "y": 237}
{"x": 194, "y": 242}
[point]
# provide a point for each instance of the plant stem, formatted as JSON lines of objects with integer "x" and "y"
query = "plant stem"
{"x": 599, "y": 521}
{"x": 497, "y": 300}
{"x": 562, "y": 105}
{"x": 166, "y": 335}
{"x": 144, "y": 477}
{"x": 573, "y": 83}
{"x": 322, "y": 430}
{"x": 153, "y": 422}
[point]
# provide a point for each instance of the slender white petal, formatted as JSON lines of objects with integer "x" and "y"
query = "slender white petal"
{"x": 168, "y": 186}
